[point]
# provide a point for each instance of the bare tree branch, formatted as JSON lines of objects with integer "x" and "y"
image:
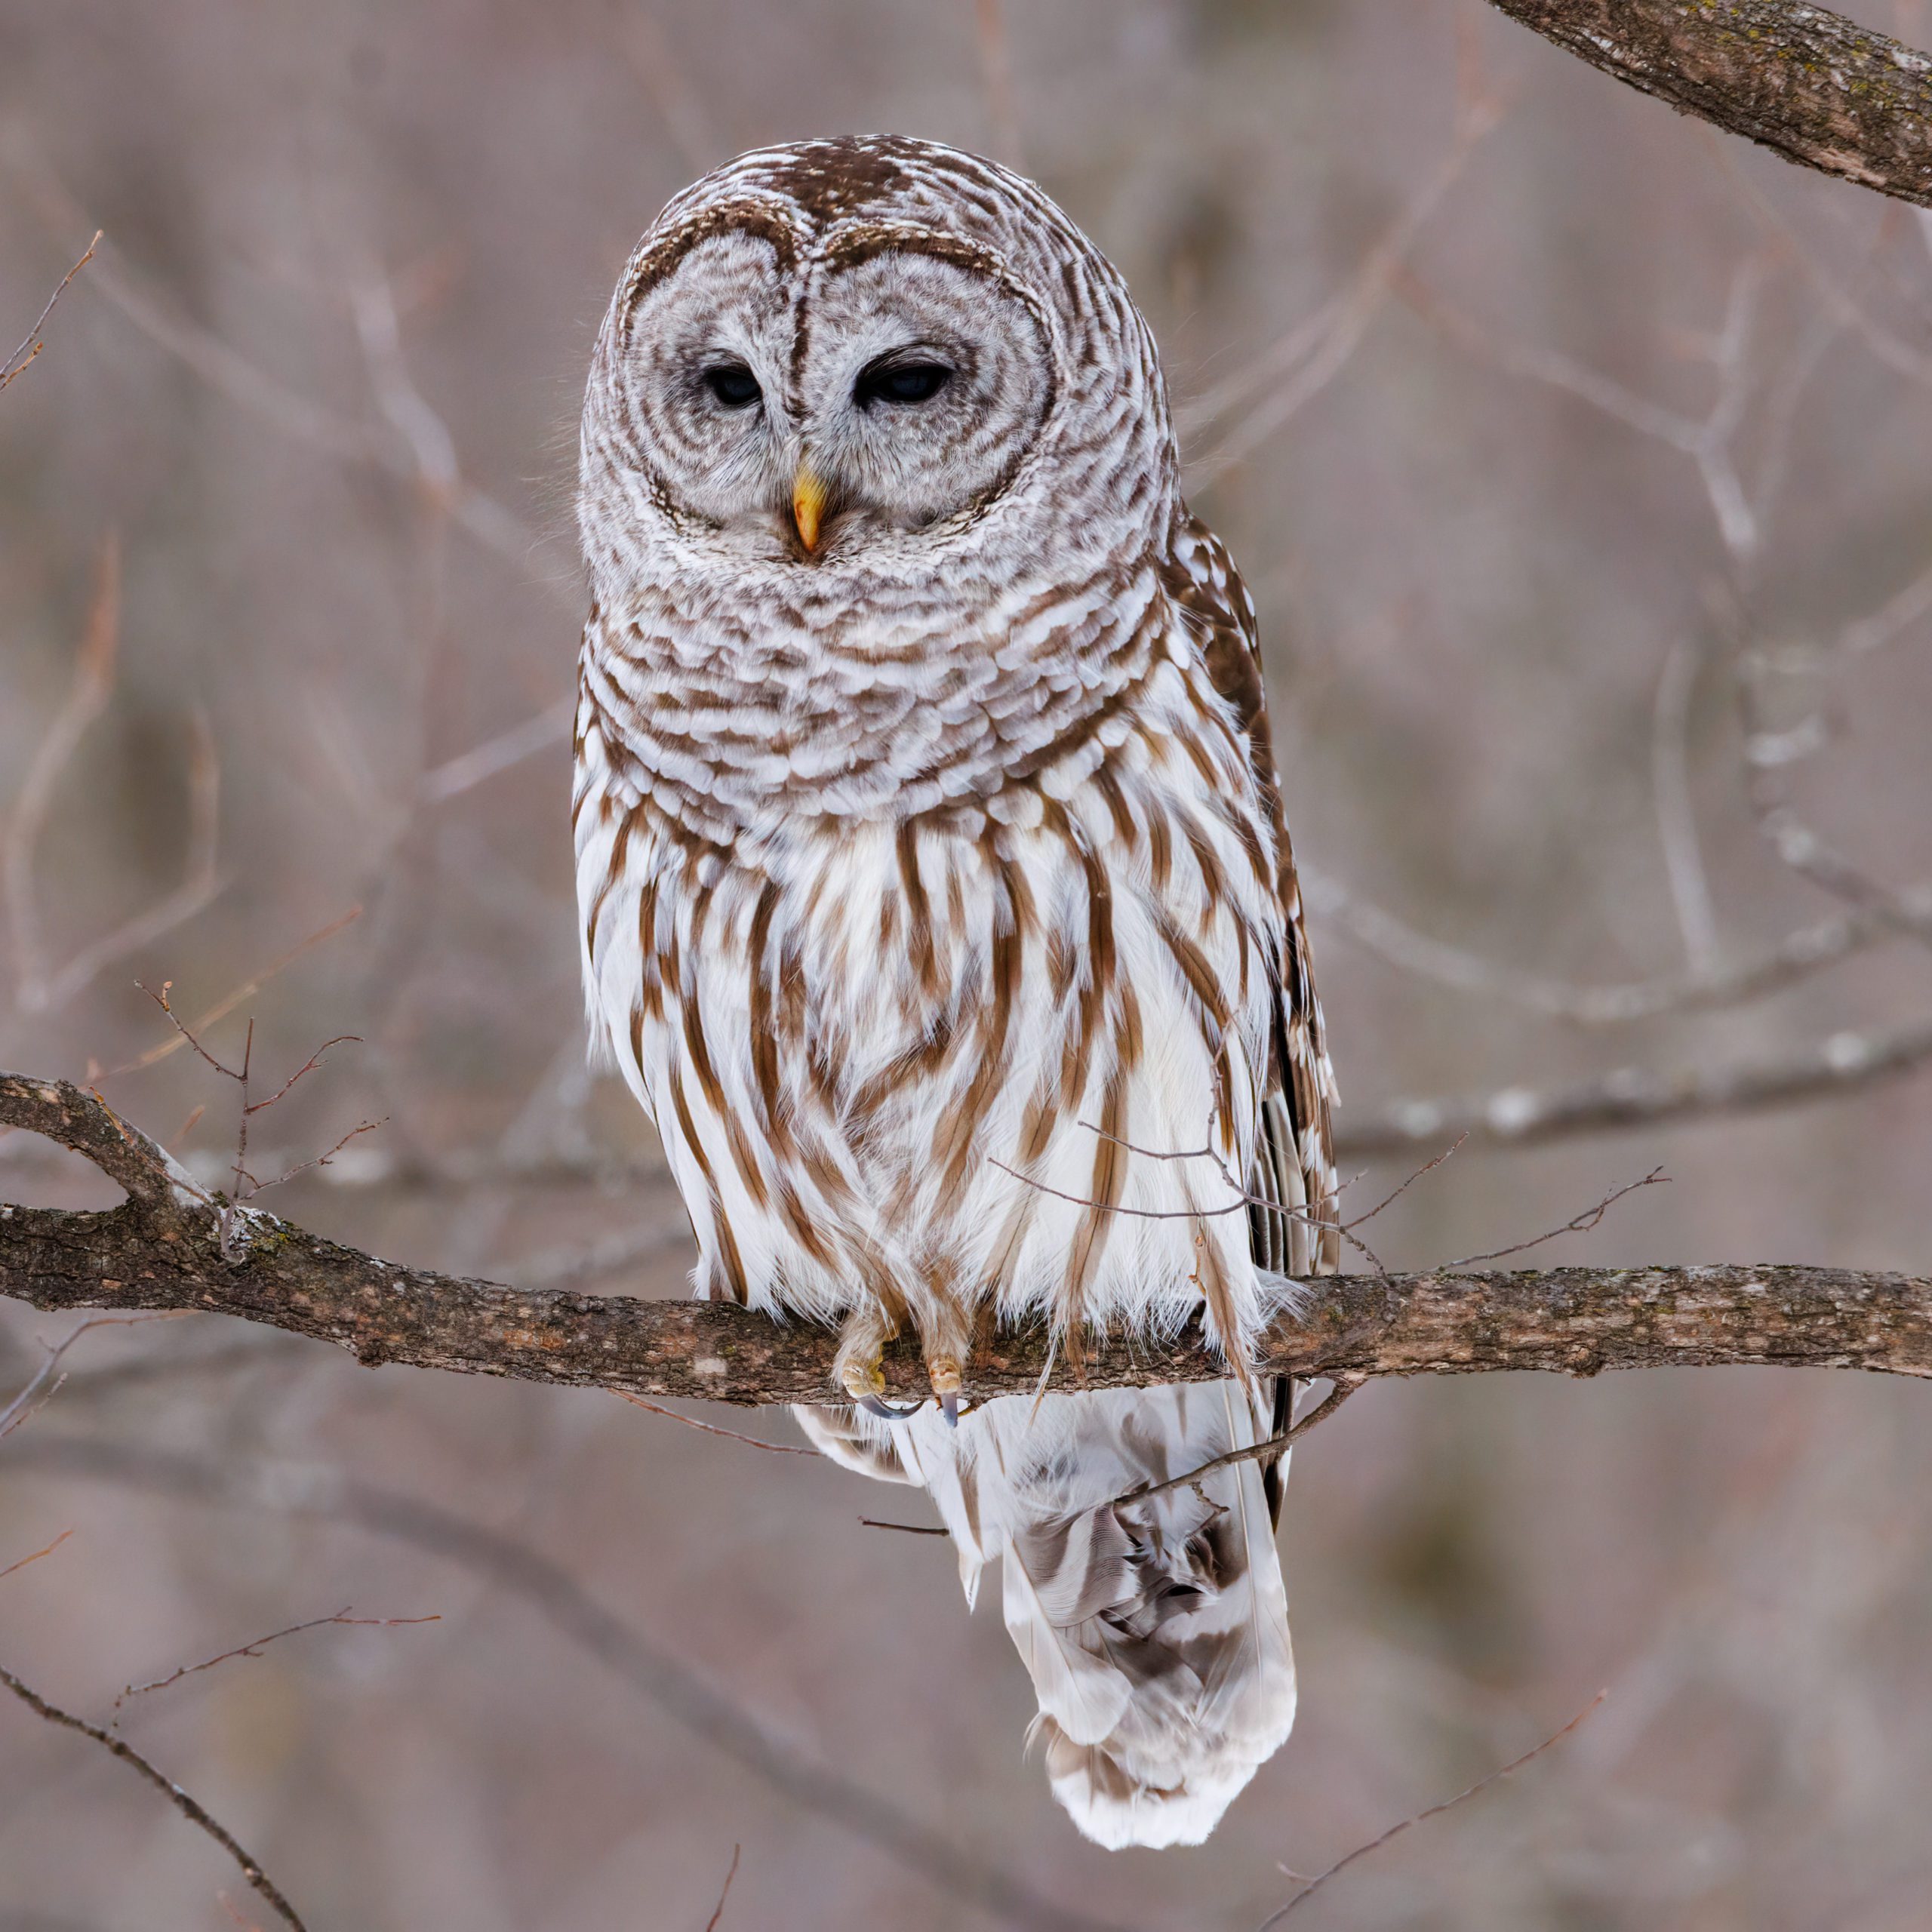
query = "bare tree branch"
{"x": 1809, "y": 84}
{"x": 162, "y": 1248}
{"x": 185, "y": 1802}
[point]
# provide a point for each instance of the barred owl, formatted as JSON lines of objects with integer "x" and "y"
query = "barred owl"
{"x": 936, "y": 897}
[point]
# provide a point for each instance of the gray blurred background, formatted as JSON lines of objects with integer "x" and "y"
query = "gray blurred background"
{"x": 1553, "y": 432}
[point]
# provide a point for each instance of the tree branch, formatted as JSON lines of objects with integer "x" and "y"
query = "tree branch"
{"x": 1809, "y": 84}
{"x": 162, "y": 1248}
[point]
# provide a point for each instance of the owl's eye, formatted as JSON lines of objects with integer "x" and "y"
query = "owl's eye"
{"x": 733, "y": 384}
{"x": 888, "y": 381}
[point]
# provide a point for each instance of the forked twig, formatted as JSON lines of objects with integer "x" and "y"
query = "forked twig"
{"x": 229, "y": 1000}
{"x": 44, "y": 1383}
{"x": 245, "y": 1184}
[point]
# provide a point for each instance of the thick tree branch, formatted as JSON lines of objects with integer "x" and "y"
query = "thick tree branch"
{"x": 1810, "y": 84}
{"x": 162, "y": 1248}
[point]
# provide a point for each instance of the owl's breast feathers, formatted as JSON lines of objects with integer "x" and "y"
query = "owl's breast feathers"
{"x": 943, "y": 980}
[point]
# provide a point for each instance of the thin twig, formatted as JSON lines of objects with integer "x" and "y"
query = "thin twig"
{"x": 308, "y": 1066}
{"x": 1395, "y": 1194}
{"x": 255, "y": 1647}
{"x": 36, "y": 1556}
{"x": 717, "y": 1911}
{"x": 190, "y": 1807}
{"x": 1577, "y": 1224}
{"x": 246, "y": 1185}
{"x": 712, "y": 1429}
{"x": 872, "y": 1523}
{"x": 32, "y": 346}
{"x": 1322, "y": 1878}
{"x": 1343, "y": 1388}
{"x": 229, "y": 1000}
{"x": 44, "y": 1383}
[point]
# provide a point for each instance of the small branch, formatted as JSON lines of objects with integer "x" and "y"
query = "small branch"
{"x": 1810, "y": 85}
{"x": 709, "y": 1428}
{"x": 229, "y": 1000}
{"x": 23, "y": 1561}
{"x": 717, "y": 1911}
{"x": 41, "y": 1388}
{"x": 1591, "y": 1217}
{"x": 255, "y": 1647}
{"x": 190, "y": 1807}
{"x": 1322, "y": 1878}
{"x": 32, "y": 346}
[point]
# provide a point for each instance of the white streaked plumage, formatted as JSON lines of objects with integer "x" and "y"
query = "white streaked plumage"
{"x": 934, "y": 884}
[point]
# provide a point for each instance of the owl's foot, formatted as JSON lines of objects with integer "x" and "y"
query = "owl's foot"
{"x": 860, "y": 1370}
{"x": 944, "y": 1373}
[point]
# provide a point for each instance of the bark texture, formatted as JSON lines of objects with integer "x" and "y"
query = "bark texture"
{"x": 1815, "y": 87}
{"x": 162, "y": 1248}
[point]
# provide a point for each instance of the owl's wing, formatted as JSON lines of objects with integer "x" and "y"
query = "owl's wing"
{"x": 1296, "y": 1233}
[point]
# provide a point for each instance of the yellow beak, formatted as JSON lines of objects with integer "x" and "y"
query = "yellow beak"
{"x": 809, "y": 494}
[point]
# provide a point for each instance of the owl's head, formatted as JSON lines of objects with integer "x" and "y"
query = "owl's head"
{"x": 868, "y": 357}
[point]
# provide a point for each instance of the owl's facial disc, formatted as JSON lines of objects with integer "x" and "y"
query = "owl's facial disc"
{"x": 806, "y": 411}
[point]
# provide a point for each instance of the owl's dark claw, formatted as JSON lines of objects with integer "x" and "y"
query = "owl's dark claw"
{"x": 874, "y": 1406}
{"x": 942, "y": 1371}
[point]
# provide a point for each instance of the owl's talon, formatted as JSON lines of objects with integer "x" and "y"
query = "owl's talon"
{"x": 942, "y": 1371}
{"x": 874, "y": 1406}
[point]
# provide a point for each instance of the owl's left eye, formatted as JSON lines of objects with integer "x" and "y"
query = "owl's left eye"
{"x": 888, "y": 381}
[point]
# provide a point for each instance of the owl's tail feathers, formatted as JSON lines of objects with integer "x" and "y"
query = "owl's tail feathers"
{"x": 1156, "y": 1634}
{"x": 1155, "y": 1627}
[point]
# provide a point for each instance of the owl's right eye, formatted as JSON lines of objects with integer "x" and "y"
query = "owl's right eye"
{"x": 733, "y": 384}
